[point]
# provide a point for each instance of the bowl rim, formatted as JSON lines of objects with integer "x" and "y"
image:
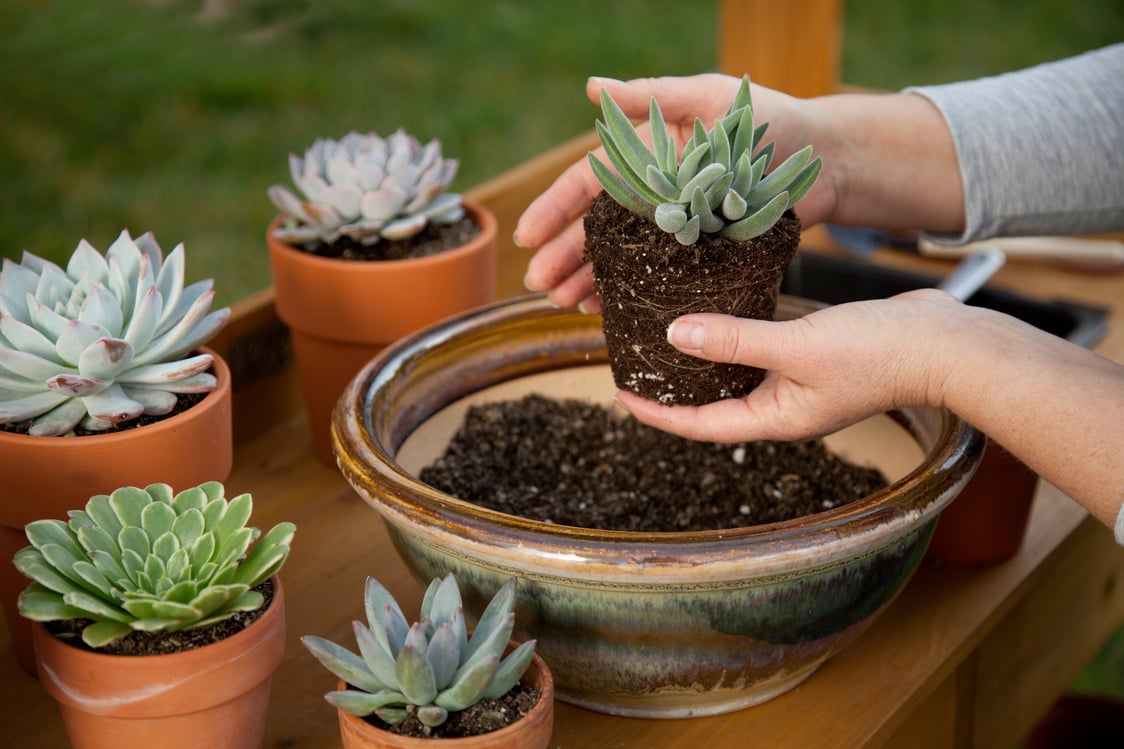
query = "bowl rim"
{"x": 882, "y": 518}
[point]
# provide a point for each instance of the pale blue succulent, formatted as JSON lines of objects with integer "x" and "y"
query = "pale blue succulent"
{"x": 431, "y": 668}
{"x": 717, "y": 185}
{"x": 147, "y": 560}
{"x": 366, "y": 188}
{"x": 103, "y": 341}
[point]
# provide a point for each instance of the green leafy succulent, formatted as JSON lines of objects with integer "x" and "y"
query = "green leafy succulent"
{"x": 717, "y": 185}
{"x": 366, "y": 188}
{"x": 143, "y": 559}
{"x": 103, "y": 341}
{"x": 430, "y": 668}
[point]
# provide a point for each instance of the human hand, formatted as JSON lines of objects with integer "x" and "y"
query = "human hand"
{"x": 829, "y": 369}
{"x": 552, "y": 222}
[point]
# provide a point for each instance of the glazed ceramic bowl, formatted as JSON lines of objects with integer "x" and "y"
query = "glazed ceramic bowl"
{"x": 640, "y": 624}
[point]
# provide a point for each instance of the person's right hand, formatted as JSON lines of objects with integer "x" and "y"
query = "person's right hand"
{"x": 552, "y": 223}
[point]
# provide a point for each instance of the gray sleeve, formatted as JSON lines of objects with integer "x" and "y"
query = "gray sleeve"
{"x": 1041, "y": 150}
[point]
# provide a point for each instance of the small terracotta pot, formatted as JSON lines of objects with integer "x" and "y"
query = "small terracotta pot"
{"x": 45, "y": 477}
{"x": 342, "y": 312}
{"x": 214, "y": 696}
{"x": 532, "y": 732}
{"x": 987, "y": 522}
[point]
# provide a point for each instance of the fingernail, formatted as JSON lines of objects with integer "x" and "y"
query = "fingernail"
{"x": 686, "y": 335}
{"x": 583, "y": 308}
{"x": 603, "y": 79}
{"x": 515, "y": 239}
{"x": 527, "y": 284}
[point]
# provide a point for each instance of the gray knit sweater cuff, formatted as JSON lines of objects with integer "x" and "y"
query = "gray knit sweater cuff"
{"x": 1041, "y": 150}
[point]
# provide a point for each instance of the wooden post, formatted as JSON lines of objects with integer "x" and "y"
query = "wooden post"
{"x": 791, "y": 46}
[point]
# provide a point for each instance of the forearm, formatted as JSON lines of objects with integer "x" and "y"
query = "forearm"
{"x": 1057, "y": 406}
{"x": 891, "y": 159}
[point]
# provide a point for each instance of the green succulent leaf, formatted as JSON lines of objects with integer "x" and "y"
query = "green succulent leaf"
{"x": 662, "y": 146}
{"x": 381, "y": 608}
{"x": 443, "y": 655}
{"x": 626, "y": 173}
{"x": 625, "y": 137}
{"x": 469, "y": 685}
{"x": 343, "y": 663}
{"x": 758, "y": 223}
{"x": 101, "y": 633}
{"x": 363, "y": 704}
{"x": 379, "y": 661}
{"x": 689, "y": 234}
{"x": 432, "y": 715}
{"x": 670, "y": 217}
{"x": 445, "y": 601}
{"x": 415, "y": 676}
{"x": 511, "y": 670}
{"x": 616, "y": 188}
{"x": 392, "y": 716}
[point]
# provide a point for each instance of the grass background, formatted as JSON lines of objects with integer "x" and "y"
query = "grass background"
{"x": 176, "y": 115}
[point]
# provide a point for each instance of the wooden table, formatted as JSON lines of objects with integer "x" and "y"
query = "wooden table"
{"x": 961, "y": 658}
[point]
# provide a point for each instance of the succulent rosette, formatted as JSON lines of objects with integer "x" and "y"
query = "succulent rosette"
{"x": 366, "y": 188}
{"x": 104, "y": 340}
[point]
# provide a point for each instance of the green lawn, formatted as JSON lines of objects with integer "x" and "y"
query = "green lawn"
{"x": 148, "y": 115}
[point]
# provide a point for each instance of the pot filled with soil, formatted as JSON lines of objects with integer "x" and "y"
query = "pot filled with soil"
{"x": 374, "y": 248}
{"x": 711, "y": 230}
{"x": 690, "y": 610}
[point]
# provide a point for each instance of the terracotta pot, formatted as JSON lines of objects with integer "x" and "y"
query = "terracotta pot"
{"x": 341, "y": 312}
{"x": 214, "y": 696}
{"x": 643, "y": 624}
{"x": 532, "y": 732}
{"x": 987, "y": 522}
{"x": 45, "y": 477}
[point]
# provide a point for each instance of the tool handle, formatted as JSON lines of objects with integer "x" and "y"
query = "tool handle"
{"x": 1066, "y": 249}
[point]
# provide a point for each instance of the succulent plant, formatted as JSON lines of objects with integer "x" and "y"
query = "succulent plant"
{"x": 366, "y": 188}
{"x": 103, "y": 341}
{"x": 143, "y": 559}
{"x": 717, "y": 186}
{"x": 431, "y": 668}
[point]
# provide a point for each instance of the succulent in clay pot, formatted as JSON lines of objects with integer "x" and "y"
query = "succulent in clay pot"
{"x": 364, "y": 190}
{"x": 701, "y": 229}
{"x": 370, "y": 247}
{"x": 104, "y": 341}
{"x": 435, "y": 678}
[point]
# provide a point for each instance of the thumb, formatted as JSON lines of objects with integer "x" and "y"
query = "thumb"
{"x": 731, "y": 340}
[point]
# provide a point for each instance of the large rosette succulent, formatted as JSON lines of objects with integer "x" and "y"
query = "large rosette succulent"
{"x": 103, "y": 341}
{"x": 366, "y": 188}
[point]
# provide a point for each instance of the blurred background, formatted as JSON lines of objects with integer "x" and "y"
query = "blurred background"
{"x": 176, "y": 115}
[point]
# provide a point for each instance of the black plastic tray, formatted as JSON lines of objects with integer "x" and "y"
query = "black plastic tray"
{"x": 837, "y": 280}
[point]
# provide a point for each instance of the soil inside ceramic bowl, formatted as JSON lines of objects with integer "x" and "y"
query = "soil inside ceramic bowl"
{"x": 581, "y": 464}
{"x": 550, "y": 447}
{"x": 432, "y": 240}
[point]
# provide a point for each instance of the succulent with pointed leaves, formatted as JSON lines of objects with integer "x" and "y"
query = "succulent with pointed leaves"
{"x": 717, "y": 186}
{"x": 145, "y": 560}
{"x": 430, "y": 668}
{"x": 105, "y": 340}
{"x": 366, "y": 188}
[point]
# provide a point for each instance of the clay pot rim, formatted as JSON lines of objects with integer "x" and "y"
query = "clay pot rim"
{"x": 538, "y": 713}
{"x": 200, "y": 409}
{"x": 233, "y": 642}
{"x": 483, "y": 217}
{"x": 836, "y": 534}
